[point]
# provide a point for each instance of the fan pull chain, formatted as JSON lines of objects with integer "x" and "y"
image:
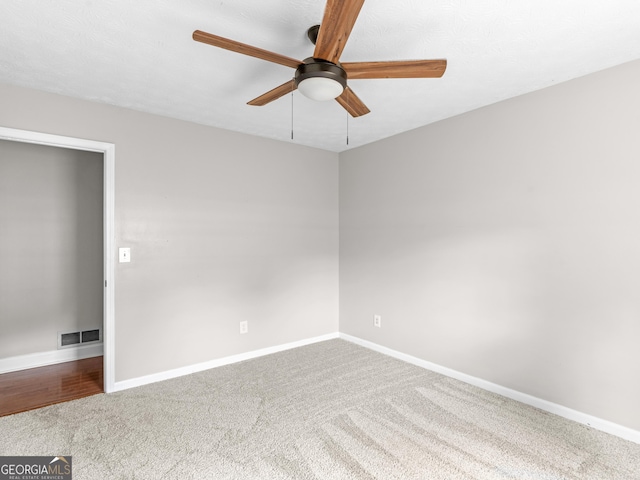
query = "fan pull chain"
{"x": 292, "y": 114}
{"x": 347, "y": 128}
{"x": 347, "y": 109}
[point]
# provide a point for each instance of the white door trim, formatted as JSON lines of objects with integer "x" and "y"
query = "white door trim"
{"x": 109, "y": 152}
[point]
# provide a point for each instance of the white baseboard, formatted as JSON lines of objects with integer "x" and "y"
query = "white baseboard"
{"x": 41, "y": 359}
{"x": 199, "y": 367}
{"x": 560, "y": 410}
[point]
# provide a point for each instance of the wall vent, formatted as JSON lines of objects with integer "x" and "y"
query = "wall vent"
{"x": 69, "y": 339}
{"x": 90, "y": 336}
{"x": 74, "y": 339}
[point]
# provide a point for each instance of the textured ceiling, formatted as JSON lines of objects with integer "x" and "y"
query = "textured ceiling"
{"x": 140, "y": 55}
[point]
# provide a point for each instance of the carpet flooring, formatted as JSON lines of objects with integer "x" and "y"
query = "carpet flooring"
{"x": 331, "y": 410}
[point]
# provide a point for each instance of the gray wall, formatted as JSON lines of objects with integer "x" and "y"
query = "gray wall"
{"x": 51, "y": 266}
{"x": 223, "y": 227}
{"x": 505, "y": 243}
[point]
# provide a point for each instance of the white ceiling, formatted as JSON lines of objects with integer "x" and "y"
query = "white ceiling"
{"x": 140, "y": 55}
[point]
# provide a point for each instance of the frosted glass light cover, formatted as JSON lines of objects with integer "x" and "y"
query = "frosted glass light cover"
{"x": 320, "y": 88}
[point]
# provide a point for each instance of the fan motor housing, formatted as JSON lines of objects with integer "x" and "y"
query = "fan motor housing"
{"x": 316, "y": 67}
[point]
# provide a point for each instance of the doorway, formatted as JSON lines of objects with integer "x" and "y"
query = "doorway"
{"x": 107, "y": 151}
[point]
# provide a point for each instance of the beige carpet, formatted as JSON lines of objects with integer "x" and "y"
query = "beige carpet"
{"x": 331, "y": 410}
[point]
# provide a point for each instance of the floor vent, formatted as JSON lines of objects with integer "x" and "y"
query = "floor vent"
{"x": 73, "y": 339}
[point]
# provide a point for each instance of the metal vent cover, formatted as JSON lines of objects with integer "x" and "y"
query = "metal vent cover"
{"x": 76, "y": 338}
{"x": 69, "y": 339}
{"x": 91, "y": 335}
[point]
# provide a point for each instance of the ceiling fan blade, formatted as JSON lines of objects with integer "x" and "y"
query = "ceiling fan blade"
{"x": 274, "y": 94}
{"x": 337, "y": 23}
{"x": 352, "y": 103}
{"x": 221, "y": 42}
{"x": 395, "y": 69}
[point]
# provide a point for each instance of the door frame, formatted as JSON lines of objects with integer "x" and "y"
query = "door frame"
{"x": 109, "y": 151}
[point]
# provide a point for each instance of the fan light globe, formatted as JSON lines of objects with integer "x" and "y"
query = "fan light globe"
{"x": 320, "y": 80}
{"x": 320, "y": 88}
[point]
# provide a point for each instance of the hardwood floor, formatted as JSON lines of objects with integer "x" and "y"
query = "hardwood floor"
{"x": 42, "y": 386}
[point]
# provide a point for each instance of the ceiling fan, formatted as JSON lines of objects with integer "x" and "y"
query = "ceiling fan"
{"x": 323, "y": 76}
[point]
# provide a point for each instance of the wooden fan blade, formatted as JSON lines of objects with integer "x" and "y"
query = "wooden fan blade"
{"x": 352, "y": 103}
{"x": 274, "y": 94}
{"x": 396, "y": 69}
{"x": 245, "y": 49}
{"x": 337, "y": 23}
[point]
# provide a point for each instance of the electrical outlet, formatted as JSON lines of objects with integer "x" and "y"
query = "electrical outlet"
{"x": 377, "y": 321}
{"x": 244, "y": 327}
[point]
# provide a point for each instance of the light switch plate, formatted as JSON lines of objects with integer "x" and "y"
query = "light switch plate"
{"x": 124, "y": 254}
